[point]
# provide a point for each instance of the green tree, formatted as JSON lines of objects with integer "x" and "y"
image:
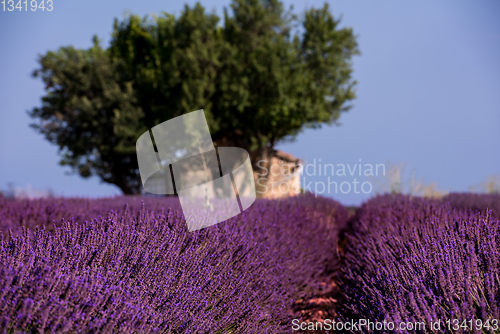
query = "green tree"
{"x": 261, "y": 78}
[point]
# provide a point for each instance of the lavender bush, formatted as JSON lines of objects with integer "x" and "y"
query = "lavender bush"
{"x": 18, "y": 213}
{"x": 410, "y": 259}
{"x": 138, "y": 270}
{"x": 475, "y": 202}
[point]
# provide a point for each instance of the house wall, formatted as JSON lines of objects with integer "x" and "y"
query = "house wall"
{"x": 283, "y": 178}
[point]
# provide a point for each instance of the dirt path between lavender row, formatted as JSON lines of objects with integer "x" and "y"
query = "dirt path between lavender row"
{"x": 323, "y": 303}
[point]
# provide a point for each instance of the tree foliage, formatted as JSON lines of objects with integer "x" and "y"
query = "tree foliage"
{"x": 261, "y": 77}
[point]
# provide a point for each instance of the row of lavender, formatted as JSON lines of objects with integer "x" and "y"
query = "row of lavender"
{"x": 47, "y": 212}
{"x": 136, "y": 269}
{"x": 416, "y": 260}
{"x": 474, "y": 202}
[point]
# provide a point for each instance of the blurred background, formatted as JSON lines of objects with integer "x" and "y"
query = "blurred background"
{"x": 427, "y": 100}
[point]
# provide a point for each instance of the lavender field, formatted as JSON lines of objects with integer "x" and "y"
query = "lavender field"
{"x": 410, "y": 259}
{"x": 125, "y": 266}
{"x": 129, "y": 265}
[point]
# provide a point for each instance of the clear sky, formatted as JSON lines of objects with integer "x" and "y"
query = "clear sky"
{"x": 428, "y": 90}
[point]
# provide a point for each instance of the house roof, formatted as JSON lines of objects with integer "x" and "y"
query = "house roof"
{"x": 286, "y": 156}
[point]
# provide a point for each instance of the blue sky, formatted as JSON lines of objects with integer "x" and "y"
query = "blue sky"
{"x": 428, "y": 90}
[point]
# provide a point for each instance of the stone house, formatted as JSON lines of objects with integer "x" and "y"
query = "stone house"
{"x": 283, "y": 177}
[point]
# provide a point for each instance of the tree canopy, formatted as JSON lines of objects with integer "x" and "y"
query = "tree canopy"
{"x": 261, "y": 77}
